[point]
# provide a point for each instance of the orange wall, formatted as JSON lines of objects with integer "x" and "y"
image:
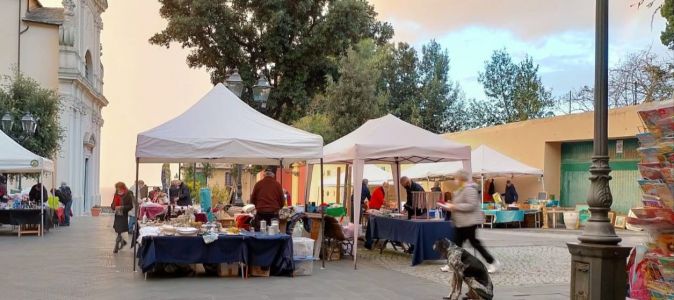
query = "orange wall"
{"x": 538, "y": 142}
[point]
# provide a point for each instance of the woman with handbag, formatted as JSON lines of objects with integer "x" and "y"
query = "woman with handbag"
{"x": 122, "y": 203}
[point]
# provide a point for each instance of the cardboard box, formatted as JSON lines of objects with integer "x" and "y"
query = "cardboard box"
{"x": 258, "y": 271}
{"x": 228, "y": 270}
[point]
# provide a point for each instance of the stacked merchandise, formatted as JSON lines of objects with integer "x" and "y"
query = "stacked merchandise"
{"x": 651, "y": 266}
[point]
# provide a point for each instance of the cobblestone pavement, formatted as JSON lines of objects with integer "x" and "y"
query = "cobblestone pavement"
{"x": 535, "y": 263}
{"x": 77, "y": 263}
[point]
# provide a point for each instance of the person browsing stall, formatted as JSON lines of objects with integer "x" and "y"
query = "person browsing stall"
{"x": 34, "y": 194}
{"x": 267, "y": 197}
{"x": 378, "y": 196}
{"x": 510, "y": 193}
{"x": 411, "y": 186}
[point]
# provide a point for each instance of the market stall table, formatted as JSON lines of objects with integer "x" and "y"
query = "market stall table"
{"x": 151, "y": 211}
{"x": 274, "y": 251}
{"x": 26, "y": 216}
{"x": 418, "y": 232}
{"x": 505, "y": 216}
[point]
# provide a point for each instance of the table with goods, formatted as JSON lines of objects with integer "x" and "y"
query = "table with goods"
{"x": 421, "y": 233}
{"x": 183, "y": 243}
{"x": 25, "y": 215}
{"x": 651, "y": 265}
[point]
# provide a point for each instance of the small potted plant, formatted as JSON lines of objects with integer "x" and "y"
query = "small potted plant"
{"x": 96, "y": 210}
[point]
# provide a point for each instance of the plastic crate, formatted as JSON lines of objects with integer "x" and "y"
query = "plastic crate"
{"x": 303, "y": 266}
{"x": 303, "y": 247}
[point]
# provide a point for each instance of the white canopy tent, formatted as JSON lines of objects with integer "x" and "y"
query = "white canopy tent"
{"x": 220, "y": 127}
{"x": 14, "y": 158}
{"x": 486, "y": 162}
{"x": 389, "y": 140}
{"x": 372, "y": 173}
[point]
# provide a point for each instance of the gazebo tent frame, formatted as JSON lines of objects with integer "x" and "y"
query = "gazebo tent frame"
{"x": 220, "y": 127}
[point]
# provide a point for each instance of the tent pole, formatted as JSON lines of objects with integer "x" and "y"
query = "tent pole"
{"x": 179, "y": 170}
{"x": 397, "y": 183}
{"x": 135, "y": 226}
{"x": 322, "y": 220}
{"x": 194, "y": 180}
{"x": 41, "y": 204}
{"x": 281, "y": 163}
{"x": 482, "y": 187}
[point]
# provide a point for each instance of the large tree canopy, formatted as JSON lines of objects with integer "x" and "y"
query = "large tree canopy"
{"x": 290, "y": 42}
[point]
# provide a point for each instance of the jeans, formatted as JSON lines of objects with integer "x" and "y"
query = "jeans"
{"x": 66, "y": 212}
{"x": 132, "y": 222}
{"x": 461, "y": 234}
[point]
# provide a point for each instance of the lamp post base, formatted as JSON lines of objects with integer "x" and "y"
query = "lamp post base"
{"x": 598, "y": 271}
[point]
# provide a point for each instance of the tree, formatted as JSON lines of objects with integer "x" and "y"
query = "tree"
{"x": 440, "y": 98}
{"x": 20, "y": 95}
{"x": 481, "y": 114}
{"x": 638, "y": 77}
{"x": 667, "y": 12}
{"x": 515, "y": 90}
{"x": 319, "y": 124}
{"x": 358, "y": 95}
{"x": 291, "y": 42}
{"x": 530, "y": 98}
{"x": 402, "y": 83}
{"x": 498, "y": 80}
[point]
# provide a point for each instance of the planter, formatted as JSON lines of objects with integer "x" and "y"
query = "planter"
{"x": 95, "y": 211}
{"x": 570, "y": 219}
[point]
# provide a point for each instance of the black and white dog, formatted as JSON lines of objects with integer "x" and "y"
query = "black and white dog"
{"x": 465, "y": 268}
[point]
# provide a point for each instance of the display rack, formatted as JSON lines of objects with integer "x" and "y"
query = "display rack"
{"x": 651, "y": 265}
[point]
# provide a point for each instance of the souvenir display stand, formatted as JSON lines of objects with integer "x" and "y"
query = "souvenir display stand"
{"x": 651, "y": 265}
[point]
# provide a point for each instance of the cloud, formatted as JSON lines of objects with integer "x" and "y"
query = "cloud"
{"x": 526, "y": 19}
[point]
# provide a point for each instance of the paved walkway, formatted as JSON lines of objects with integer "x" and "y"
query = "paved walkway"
{"x": 77, "y": 263}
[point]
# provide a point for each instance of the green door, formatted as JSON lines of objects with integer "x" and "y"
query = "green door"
{"x": 575, "y": 183}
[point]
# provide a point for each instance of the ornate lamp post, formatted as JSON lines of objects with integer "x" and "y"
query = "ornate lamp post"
{"x": 7, "y": 122}
{"x": 261, "y": 91}
{"x": 235, "y": 83}
{"x": 598, "y": 262}
{"x": 260, "y": 95}
{"x": 28, "y": 124}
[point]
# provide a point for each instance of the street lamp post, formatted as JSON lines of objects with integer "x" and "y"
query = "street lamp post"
{"x": 598, "y": 262}
{"x": 260, "y": 95}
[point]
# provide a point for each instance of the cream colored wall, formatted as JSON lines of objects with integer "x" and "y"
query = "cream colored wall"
{"x": 39, "y": 46}
{"x": 40, "y": 54}
{"x": 538, "y": 142}
{"x": 8, "y": 33}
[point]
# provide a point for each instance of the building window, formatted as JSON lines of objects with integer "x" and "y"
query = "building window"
{"x": 328, "y": 173}
{"x": 88, "y": 67}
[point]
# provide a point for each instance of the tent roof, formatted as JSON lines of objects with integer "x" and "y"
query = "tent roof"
{"x": 384, "y": 139}
{"x": 222, "y": 128}
{"x": 372, "y": 173}
{"x": 485, "y": 161}
{"x": 14, "y": 158}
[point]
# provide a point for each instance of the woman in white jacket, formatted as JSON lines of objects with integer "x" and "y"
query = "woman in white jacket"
{"x": 466, "y": 215}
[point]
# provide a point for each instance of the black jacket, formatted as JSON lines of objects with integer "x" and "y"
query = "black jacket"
{"x": 511, "y": 194}
{"x": 414, "y": 187}
{"x": 34, "y": 195}
{"x": 64, "y": 194}
{"x": 184, "y": 198}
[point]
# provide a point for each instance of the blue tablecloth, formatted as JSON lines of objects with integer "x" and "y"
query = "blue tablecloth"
{"x": 506, "y": 216}
{"x": 420, "y": 233}
{"x": 275, "y": 251}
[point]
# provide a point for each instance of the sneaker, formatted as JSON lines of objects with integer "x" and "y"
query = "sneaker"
{"x": 444, "y": 268}
{"x": 493, "y": 267}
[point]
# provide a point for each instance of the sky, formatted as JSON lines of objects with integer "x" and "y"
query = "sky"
{"x": 147, "y": 85}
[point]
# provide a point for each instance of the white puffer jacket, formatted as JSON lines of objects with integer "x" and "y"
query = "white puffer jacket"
{"x": 467, "y": 210}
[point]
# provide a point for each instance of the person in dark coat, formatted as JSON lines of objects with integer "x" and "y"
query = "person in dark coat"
{"x": 365, "y": 197}
{"x": 65, "y": 196}
{"x": 184, "y": 198}
{"x": 122, "y": 203}
{"x": 510, "y": 193}
{"x": 34, "y": 194}
{"x": 411, "y": 186}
